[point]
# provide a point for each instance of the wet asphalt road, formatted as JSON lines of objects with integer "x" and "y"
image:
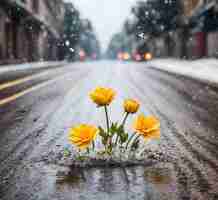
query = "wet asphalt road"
{"x": 35, "y": 123}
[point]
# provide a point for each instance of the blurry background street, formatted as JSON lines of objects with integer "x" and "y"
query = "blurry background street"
{"x": 56, "y": 30}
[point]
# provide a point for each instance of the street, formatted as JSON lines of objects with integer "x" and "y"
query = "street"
{"x": 38, "y": 106}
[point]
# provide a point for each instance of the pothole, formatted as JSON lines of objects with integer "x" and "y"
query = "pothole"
{"x": 151, "y": 177}
{"x": 155, "y": 181}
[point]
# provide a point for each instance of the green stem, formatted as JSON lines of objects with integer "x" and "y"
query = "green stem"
{"x": 117, "y": 138}
{"x": 108, "y": 127}
{"x": 87, "y": 150}
{"x": 124, "y": 120}
{"x": 123, "y": 124}
{"x": 107, "y": 119}
{"x": 93, "y": 145}
{"x": 130, "y": 139}
{"x": 136, "y": 138}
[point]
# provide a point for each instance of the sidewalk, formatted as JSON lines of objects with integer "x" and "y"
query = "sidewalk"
{"x": 33, "y": 65}
{"x": 205, "y": 70}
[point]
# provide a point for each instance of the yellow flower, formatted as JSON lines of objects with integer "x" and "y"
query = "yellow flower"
{"x": 131, "y": 106}
{"x": 102, "y": 96}
{"x": 148, "y": 126}
{"x": 82, "y": 135}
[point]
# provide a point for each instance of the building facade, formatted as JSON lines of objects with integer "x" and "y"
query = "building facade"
{"x": 202, "y": 19}
{"x": 190, "y": 6}
{"x": 30, "y": 30}
{"x": 197, "y": 31}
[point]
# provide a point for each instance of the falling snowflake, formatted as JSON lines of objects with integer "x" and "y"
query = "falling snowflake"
{"x": 67, "y": 43}
{"x": 72, "y": 50}
{"x": 141, "y": 35}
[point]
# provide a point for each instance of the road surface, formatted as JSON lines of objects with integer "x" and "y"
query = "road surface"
{"x": 38, "y": 106}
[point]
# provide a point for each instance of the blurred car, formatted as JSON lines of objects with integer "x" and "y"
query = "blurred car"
{"x": 137, "y": 57}
{"x": 82, "y": 55}
{"x": 125, "y": 56}
{"x": 148, "y": 56}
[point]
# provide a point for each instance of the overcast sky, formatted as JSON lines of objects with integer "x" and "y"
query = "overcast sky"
{"x": 107, "y": 16}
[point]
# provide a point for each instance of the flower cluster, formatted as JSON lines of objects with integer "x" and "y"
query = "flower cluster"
{"x": 115, "y": 136}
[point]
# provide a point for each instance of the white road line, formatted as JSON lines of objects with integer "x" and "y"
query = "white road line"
{"x": 31, "y": 89}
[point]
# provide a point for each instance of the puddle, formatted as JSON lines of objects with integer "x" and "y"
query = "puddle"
{"x": 156, "y": 182}
{"x": 150, "y": 178}
{"x": 158, "y": 175}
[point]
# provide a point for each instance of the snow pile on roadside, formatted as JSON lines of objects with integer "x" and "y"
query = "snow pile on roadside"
{"x": 33, "y": 65}
{"x": 205, "y": 70}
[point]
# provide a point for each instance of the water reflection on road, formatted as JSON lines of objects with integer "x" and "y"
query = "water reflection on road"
{"x": 156, "y": 182}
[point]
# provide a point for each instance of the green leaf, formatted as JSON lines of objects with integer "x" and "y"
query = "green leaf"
{"x": 120, "y": 130}
{"x": 124, "y": 137}
{"x": 66, "y": 152}
{"x": 104, "y": 140}
{"x": 113, "y": 128}
{"x": 102, "y": 132}
{"x": 81, "y": 158}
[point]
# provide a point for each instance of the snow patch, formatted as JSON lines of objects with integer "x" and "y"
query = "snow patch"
{"x": 205, "y": 70}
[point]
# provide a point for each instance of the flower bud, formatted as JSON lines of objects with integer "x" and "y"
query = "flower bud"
{"x": 131, "y": 106}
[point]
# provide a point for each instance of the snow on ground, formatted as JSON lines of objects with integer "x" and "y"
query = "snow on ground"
{"x": 33, "y": 65}
{"x": 205, "y": 70}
